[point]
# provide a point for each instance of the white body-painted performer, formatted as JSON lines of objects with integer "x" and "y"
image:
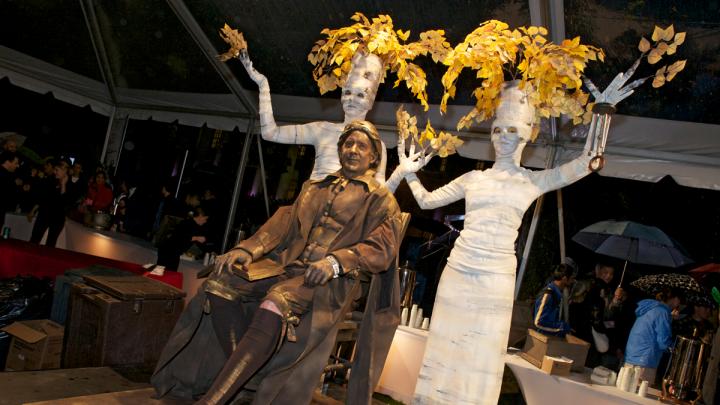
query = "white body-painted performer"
{"x": 358, "y": 97}
{"x": 464, "y": 356}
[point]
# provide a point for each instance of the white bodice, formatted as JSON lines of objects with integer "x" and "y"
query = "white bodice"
{"x": 495, "y": 202}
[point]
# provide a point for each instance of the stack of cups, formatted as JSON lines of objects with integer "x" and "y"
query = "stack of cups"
{"x": 414, "y": 318}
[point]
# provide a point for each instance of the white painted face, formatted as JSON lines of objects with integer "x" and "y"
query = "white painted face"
{"x": 358, "y": 93}
{"x": 509, "y": 137}
{"x": 357, "y": 99}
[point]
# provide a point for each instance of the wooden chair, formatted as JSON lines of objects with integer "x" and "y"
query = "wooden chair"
{"x": 339, "y": 363}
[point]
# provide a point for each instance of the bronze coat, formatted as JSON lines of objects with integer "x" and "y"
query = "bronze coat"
{"x": 292, "y": 374}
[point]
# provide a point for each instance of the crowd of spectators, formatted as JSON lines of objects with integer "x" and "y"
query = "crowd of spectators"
{"x": 624, "y": 326}
{"x": 58, "y": 188}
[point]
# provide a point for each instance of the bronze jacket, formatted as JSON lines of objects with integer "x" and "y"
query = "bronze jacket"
{"x": 368, "y": 244}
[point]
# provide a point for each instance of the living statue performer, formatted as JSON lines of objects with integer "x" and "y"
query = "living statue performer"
{"x": 354, "y": 58}
{"x": 358, "y": 97}
{"x": 464, "y": 356}
{"x": 338, "y": 243}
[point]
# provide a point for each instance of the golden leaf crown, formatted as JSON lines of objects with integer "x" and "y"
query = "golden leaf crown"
{"x": 550, "y": 74}
{"x": 332, "y": 57}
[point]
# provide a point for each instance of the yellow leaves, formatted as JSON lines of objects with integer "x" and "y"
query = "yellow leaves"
{"x": 667, "y": 73}
{"x": 427, "y": 135}
{"x": 654, "y": 56}
{"x": 644, "y": 45}
{"x": 679, "y": 38}
{"x": 669, "y": 33}
{"x": 658, "y": 34}
{"x": 403, "y": 35}
{"x": 658, "y": 81}
{"x": 674, "y": 69}
{"x": 443, "y": 143}
{"x": 235, "y": 39}
{"x": 376, "y": 36}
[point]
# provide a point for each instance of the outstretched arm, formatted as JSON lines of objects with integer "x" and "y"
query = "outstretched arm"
{"x": 290, "y": 134}
{"x": 605, "y": 102}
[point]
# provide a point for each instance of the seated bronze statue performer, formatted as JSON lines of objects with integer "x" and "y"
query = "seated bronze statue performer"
{"x": 335, "y": 245}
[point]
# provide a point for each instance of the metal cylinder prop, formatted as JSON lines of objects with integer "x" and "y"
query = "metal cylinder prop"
{"x": 599, "y": 128}
{"x": 684, "y": 375}
{"x": 407, "y": 284}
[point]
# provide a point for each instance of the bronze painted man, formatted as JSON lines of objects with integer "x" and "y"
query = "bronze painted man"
{"x": 338, "y": 240}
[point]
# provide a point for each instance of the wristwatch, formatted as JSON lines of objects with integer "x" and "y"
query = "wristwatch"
{"x": 337, "y": 272}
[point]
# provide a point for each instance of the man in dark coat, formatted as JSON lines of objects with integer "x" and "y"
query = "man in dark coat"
{"x": 338, "y": 243}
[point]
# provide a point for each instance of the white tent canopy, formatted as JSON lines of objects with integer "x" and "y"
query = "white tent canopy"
{"x": 644, "y": 149}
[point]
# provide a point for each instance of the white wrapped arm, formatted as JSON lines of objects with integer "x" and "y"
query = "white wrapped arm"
{"x": 441, "y": 197}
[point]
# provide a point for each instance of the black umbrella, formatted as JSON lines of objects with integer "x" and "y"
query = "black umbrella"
{"x": 694, "y": 293}
{"x": 632, "y": 242}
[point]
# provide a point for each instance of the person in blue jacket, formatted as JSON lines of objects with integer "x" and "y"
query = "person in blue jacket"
{"x": 651, "y": 334}
{"x": 546, "y": 314}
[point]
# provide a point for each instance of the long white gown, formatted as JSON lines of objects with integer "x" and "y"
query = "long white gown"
{"x": 464, "y": 356}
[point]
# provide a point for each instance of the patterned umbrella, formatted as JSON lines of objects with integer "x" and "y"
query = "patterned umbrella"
{"x": 632, "y": 242}
{"x": 694, "y": 293}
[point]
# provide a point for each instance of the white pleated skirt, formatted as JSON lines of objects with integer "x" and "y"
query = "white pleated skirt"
{"x": 464, "y": 356}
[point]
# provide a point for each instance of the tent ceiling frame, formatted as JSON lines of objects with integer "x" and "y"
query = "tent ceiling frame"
{"x": 203, "y": 42}
{"x": 96, "y": 37}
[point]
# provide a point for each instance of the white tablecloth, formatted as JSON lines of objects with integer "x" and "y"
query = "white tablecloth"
{"x": 403, "y": 363}
{"x": 402, "y": 367}
{"x": 540, "y": 388}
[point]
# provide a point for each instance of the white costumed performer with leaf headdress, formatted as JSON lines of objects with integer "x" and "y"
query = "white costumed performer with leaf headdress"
{"x": 355, "y": 59}
{"x": 464, "y": 356}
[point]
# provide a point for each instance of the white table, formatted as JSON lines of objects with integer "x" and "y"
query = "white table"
{"x": 403, "y": 363}
{"x": 540, "y": 388}
{"x": 399, "y": 377}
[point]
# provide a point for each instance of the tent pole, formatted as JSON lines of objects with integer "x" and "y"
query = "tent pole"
{"x": 182, "y": 172}
{"x": 528, "y": 244}
{"x": 97, "y": 39}
{"x": 122, "y": 144}
{"x": 262, "y": 175}
{"x": 561, "y": 224}
{"x": 107, "y": 134}
{"x": 238, "y": 183}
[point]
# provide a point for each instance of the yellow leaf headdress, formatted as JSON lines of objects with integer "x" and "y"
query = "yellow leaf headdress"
{"x": 550, "y": 74}
{"x": 332, "y": 57}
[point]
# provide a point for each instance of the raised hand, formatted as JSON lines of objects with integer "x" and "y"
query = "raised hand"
{"x": 616, "y": 91}
{"x": 413, "y": 161}
{"x": 256, "y": 76}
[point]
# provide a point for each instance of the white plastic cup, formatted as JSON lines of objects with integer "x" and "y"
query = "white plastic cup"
{"x": 404, "y": 317}
{"x": 413, "y": 316}
{"x": 418, "y": 319}
{"x": 642, "y": 392}
{"x": 425, "y": 324}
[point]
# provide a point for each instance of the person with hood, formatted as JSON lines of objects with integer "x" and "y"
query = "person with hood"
{"x": 651, "y": 334}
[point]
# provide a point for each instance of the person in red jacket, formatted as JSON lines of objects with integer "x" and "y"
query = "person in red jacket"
{"x": 99, "y": 195}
